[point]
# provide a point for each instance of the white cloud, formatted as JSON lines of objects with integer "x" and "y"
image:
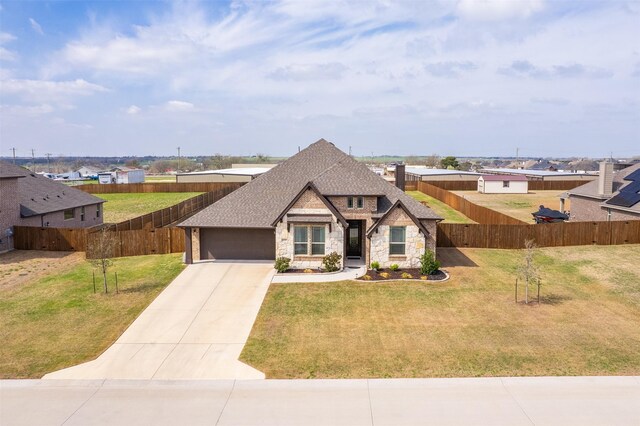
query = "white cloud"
{"x": 35, "y": 26}
{"x": 48, "y": 88}
{"x": 7, "y": 55}
{"x": 29, "y": 110}
{"x": 176, "y": 106}
{"x": 6, "y": 37}
{"x": 304, "y": 72}
{"x": 133, "y": 110}
{"x": 497, "y": 10}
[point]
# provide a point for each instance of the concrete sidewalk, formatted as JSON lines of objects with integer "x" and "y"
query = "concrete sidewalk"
{"x": 483, "y": 401}
{"x": 195, "y": 329}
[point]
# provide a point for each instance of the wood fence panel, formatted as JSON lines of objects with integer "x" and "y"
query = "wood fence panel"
{"x": 625, "y": 232}
{"x": 150, "y": 187}
{"x": 51, "y": 239}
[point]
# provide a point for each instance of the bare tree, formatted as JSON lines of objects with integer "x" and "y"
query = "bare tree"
{"x": 528, "y": 270}
{"x": 432, "y": 161}
{"x": 101, "y": 249}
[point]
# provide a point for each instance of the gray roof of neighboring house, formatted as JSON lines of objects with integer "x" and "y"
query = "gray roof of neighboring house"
{"x": 590, "y": 189}
{"x": 259, "y": 203}
{"x": 39, "y": 195}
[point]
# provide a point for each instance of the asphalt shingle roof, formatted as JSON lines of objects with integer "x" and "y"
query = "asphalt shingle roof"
{"x": 590, "y": 189}
{"x": 258, "y": 203}
{"x": 39, "y": 195}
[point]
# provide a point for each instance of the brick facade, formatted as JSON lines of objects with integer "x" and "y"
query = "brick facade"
{"x": 9, "y": 211}
{"x": 589, "y": 209}
{"x": 57, "y": 220}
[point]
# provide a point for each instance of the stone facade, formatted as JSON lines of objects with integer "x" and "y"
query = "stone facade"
{"x": 589, "y": 209}
{"x": 195, "y": 244}
{"x": 9, "y": 212}
{"x": 309, "y": 204}
{"x": 415, "y": 241}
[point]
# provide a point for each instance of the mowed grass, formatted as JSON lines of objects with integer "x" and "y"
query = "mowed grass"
{"x": 519, "y": 206}
{"x": 449, "y": 214}
{"x": 160, "y": 178}
{"x": 587, "y": 324}
{"x": 121, "y": 207}
{"x": 57, "y": 321}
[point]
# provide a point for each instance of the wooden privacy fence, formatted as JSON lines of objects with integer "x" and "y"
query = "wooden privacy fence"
{"x": 50, "y": 239}
{"x": 173, "y": 214}
{"x": 139, "y": 242}
{"x": 544, "y": 235}
{"x": 471, "y": 210}
{"x": 534, "y": 185}
{"x": 148, "y": 187}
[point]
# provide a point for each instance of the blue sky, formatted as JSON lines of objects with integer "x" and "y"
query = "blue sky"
{"x": 468, "y": 77}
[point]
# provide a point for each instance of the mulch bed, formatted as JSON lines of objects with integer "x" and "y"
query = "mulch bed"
{"x": 302, "y": 271}
{"x": 381, "y": 275}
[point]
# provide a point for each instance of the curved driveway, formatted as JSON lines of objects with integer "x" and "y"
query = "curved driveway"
{"x": 195, "y": 329}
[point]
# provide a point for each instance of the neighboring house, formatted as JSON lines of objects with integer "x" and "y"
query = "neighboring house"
{"x": 42, "y": 202}
{"x": 614, "y": 196}
{"x": 242, "y": 174}
{"x": 503, "y": 184}
{"x": 319, "y": 201}
{"x": 426, "y": 174}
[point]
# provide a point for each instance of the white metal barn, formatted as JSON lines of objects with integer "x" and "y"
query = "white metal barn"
{"x": 503, "y": 184}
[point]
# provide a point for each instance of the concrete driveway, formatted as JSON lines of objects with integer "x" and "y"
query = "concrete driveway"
{"x": 195, "y": 329}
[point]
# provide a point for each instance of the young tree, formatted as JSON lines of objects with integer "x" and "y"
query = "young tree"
{"x": 528, "y": 270}
{"x": 101, "y": 249}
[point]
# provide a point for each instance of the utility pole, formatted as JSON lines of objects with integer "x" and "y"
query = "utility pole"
{"x": 48, "y": 161}
{"x": 14, "y": 155}
{"x": 178, "y": 159}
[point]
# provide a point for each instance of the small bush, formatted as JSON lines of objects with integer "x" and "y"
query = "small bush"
{"x": 366, "y": 277}
{"x": 384, "y": 274}
{"x": 375, "y": 265}
{"x": 394, "y": 267}
{"x": 424, "y": 277}
{"x": 406, "y": 275}
{"x": 308, "y": 271}
{"x": 282, "y": 264}
{"x": 331, "y": 262}
{"x": 428, "y": 263}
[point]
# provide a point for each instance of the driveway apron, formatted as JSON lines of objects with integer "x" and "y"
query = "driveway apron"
{"x": 195, "y": 329}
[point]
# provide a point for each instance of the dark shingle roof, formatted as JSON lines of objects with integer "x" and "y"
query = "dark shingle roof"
{"x": 590, "y": 189}
{"x": 258, "y": 203}
{"x": 40, "y": 195}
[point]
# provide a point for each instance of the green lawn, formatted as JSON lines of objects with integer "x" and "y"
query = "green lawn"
{"x": 588, "y": 323}
{"x": 449, "y": 214}
{"x": 121, "y": 207}
{"x": 57, "y": 321}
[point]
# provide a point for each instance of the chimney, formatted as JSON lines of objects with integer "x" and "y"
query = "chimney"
{"x": 605, "y": 180}
{"x": 400, "y": 176}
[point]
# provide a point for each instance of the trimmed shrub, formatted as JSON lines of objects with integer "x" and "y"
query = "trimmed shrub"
{"x": 282, "y": 264}
{"x": 428, "y": 263}
{"x": 366, "y": 277}
{"x": 331, "y": 262}
{"x": 384, "y": 274}
{"x": 394, "y": 267}
{"x": 406, "y": 275}
{"x": 308, "y": 271}
{"x": 375, "y": 265}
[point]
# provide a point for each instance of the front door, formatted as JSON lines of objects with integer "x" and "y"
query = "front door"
{"x": 354, "y": 241}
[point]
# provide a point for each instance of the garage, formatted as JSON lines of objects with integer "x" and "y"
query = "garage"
{"x": 237, "y": 243}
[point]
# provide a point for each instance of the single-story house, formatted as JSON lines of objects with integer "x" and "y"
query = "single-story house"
{"x": 427, "y": 174}
{"x": 88, "y": 171}
{"x": 240, "y": 174}
{"x": 317, "y": 202}
{"x": 30, "y": 199}
{"x": 503, "y": 184}
{"x": 614, "y": 196}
